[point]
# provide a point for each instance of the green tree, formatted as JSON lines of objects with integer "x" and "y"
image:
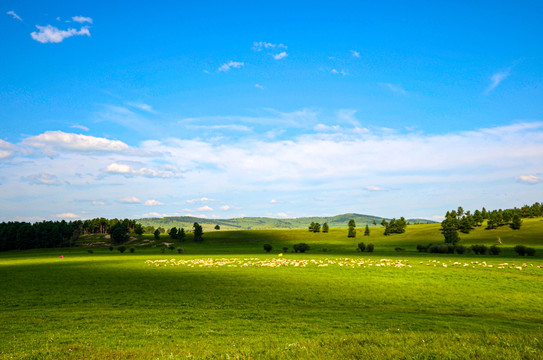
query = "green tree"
{"x": 173, "y": 233}
{"x": 367, "y": 231}
{"x": 217, "y": 227}
{"x": 449, "y": 228}
{"x": 351, "y": 223}
{"x": 352, "y": 232}
{"x": 516, "y": 223}
{"x": 156, "y": 233}
{"x": 119, "y": 233}
{"x": 181, "y": 235}
{"x": 325, "y": 227}
{"x": 198, "y": 232}
{"x": 138, "y": 229}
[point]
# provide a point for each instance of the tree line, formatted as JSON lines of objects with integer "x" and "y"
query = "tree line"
{"x": 16, "y": 235}
{"x": 464, "y": 221}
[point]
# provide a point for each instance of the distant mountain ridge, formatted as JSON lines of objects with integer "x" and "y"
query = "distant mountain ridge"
{"x": 261, "y": 223}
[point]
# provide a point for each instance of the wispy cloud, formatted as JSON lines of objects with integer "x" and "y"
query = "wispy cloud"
{"x": 225, "y": 207}
{"x": 51, "y": 34}
{"x": 52, "y": 141}
{"x": 280, "y": 56}
{"x": 373, "y": 188}
{"x": 128, "y": 170}
{"x": 496, "y": 79}
{"x": 141, "y": 106}
{"x": 260, "y": 45}
{"x": 153, "y": 203}
{"x": 258, "y": 86}
{"x": 42, "y": 179}
{"x": 82, "y": 19}
{"x": 355, "y": 53}
{"x": 205, "y": 208}
{"x": 80, "y": 127}
{"x": 530, "y": 179}
{"x": 395, "y": 88}
{"x": 202, "y": 199}
{"x": 67, "y": 216}
{"x": 339, "y": 72}
{"x": 15, "y": 16}
{"x": 229, "y": 65}
{"x": 130, "y": 200}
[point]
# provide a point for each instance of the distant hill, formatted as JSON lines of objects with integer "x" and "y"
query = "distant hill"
{"x": 261, "y": 223}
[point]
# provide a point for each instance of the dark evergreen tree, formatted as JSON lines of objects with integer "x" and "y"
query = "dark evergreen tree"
{"x": 325, "y": 227}
{"x": 516, "y": 223}
{"x": 367, "y": 231}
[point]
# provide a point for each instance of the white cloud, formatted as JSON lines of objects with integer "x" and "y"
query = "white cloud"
{"x": 130, "y": 200}
{"x": 82, "y": 19}
{"x": 130, "y": 170}
{"x": 280, "y": 56}
{"x": 258, "y": 86}
{"x": 225, "y": 207}
{"x": 67, "y": 216}
{"x": 327, "y": 128}
{"x": 203, "y": 199}
{"x": 15, "y": 16}
{"x": 51, "y": 34}
{"x": 229, "y": 65}
{"x": 50, "y": 141}
{"x": 6, "y": 149}
{"x": 273, "y": 201}
{"x": 80, "y": 127}
{"x": 281, "y": 214}
{"x": 98, "y": 203}
{"x": 373, "y": 188}
{"x": 260, "y": 45}
{"x": 153, "y": 203}
{"x": 42, "y": 179}
{"x": 231, "y": 127}
{"x": 205, "y": 208}
{"x": 496, "y": 79}
{"x": 355, "y": 53}
{"x": 395, "y": 88}
{"x": 530, "y": 179}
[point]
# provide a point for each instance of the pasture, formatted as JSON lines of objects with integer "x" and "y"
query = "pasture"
{"x": 227, "y": 298}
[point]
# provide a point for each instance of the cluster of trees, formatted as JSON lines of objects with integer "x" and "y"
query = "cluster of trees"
{"x": 316, "y": 227}
{"x": 177, "y": 235}
{"x": 50, "y": 234}
{"x": 394, "y": 226}
{"x": 464, "y": 221}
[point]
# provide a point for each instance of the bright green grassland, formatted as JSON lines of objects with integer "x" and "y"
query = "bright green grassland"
{"x": 111, "y": 305}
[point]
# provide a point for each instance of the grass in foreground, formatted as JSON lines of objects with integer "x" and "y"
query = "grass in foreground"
{"x": 111, "y": 305}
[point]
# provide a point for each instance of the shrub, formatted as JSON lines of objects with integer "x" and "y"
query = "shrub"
{"x": 520, "y": 249}
{"x": 399, "y": 249}
{"x": 301, "y": 247}
{"x": 180, "y": 251}
{"x": 479, "y": 249}
{"x": 361, "y": 246}
{"x": 121, "y": 249}
{"x": 324, "y": 249}
{"x": 422, "y": 248}
{"x": 162, "y": 250}
{"x": 90, "y": 251}
{"x": 494, "y": 250}
{"x": 132, "y": 250}
{"x": 441, "y": 249}
{"x": 268, "y": 247}
{"x": 285, "y": 249}
{"x": 460, "y": 249}
{"x": 171, "y": 247}
{"x": 369, "y": 248}
{"x": 530, "y": 251}
{"x": 111, "y": 248}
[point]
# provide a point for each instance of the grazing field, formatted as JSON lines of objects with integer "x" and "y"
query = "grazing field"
{"x": 227, "y": 298}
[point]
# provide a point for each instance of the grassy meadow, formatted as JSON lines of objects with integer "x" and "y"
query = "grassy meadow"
{"x": 227, "y": 298}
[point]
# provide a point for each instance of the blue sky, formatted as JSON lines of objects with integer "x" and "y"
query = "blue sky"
{"x": 285, "y": 109}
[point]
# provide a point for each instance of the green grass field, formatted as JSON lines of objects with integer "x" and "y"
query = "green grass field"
{"x": 106, "y": 305}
